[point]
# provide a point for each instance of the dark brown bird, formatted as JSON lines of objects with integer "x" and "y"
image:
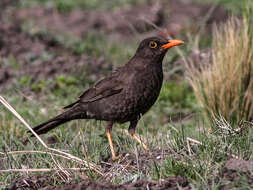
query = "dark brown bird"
{"x": 124, "y": 95}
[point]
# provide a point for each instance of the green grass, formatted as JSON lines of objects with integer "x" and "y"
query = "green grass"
{"x": 87, "y": 140}
{"x": 174, "y": 118}
{"x": 68, "y": 5}
{"x": 224, "y": 88}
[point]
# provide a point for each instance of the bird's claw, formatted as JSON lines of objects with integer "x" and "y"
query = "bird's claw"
{"x": 116, "y": 158}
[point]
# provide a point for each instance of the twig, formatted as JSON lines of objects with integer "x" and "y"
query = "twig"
{"x": 10, "y": 108}
{"x": 63, "y": 171}
{"x": 41, "y": 170}
{"x": 32, "y": 151}
{"x": 193, "y": 140}
{"x": 188, "y": 139}
{"x": 87, "y": 164}
{"x": 188, "y": 146}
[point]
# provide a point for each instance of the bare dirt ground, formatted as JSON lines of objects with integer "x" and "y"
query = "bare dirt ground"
{"x": 125, "y": 165}
{"x": 231, "y": 173}
{"x": 26, "y": 48}
{"x": 122, "y": 23}
{"x": 172, "y": 18}
{"x": 38, "y": 182}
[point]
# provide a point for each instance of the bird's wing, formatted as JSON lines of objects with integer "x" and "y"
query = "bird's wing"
{"x": 104, "y": 88}
{"x": 110, "y": 85}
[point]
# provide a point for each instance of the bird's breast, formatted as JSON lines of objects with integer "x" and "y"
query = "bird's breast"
{"x": 145, "y": 89}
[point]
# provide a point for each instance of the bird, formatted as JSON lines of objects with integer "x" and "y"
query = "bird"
{"x": 124, "y": 95}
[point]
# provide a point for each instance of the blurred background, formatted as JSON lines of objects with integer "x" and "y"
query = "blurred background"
{"x": 51, "y": 50}
{"x": 46, "y": 43}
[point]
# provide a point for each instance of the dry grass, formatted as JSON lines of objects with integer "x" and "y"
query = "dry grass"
{"x": 51, "y": 151}
{"x": 224, "y": 85}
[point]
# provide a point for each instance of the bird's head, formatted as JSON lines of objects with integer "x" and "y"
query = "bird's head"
{"x": 155, "y": 48}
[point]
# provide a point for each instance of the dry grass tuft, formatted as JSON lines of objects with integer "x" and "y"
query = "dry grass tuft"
{"x": 224, "y": 86}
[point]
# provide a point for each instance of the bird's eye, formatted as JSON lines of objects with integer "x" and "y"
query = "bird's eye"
{"x": 152, "y": 44}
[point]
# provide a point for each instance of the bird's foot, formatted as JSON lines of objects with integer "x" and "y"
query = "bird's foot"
{"x": 139, "y": 141}
{"x": 145, "y": 146}
{"x": 116, "y": 158}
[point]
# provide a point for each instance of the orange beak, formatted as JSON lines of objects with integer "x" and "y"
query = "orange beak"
{"x": 172, "y": 43}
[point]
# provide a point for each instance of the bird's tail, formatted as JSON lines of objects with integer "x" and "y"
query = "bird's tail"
{"x": 76, "y": 112}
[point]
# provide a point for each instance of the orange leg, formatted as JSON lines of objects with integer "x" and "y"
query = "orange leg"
{"x": 131, "y": 130}
{"x": 139, "y": 141}
{"x": 109, "y": 136}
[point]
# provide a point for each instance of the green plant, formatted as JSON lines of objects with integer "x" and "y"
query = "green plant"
{"x": 224, "y": 86}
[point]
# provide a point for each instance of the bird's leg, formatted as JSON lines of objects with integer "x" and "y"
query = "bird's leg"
{"x": 131, "y": 130}
{"x": 109, "y": 136}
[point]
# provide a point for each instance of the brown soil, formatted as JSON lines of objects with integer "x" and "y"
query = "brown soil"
{"x": 171, "y": 17}
{"x": 231, "y": 175}
{"x": 235, "y": 173}
{"x": 27, "y": 50}
{"x": 169, "y": 183}
{"x": 124, "y": 166}
{"x": 40, "y": 182}
{"x": 130, "y": 163}
{"x": 240, "y": 165}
